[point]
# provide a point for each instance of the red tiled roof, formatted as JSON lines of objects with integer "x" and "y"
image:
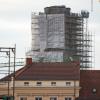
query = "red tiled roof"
{"x": 90, "y": 79}
{"x": 50, "y": 71}
{"x": 6, "y": 78}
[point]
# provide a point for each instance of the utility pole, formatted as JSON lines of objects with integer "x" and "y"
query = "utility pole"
{"x": 14, "y": 52}
{"x": 8, "y": 51}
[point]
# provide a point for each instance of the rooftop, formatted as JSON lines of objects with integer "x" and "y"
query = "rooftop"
{"x": 48, "y": 71}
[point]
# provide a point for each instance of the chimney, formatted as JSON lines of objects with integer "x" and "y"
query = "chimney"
{"x": 28, "y": 61}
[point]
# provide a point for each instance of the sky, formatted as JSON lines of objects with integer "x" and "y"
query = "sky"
{"x": 15, "y": 22}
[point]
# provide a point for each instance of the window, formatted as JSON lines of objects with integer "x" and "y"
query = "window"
{"x": 53, "y": 98}
{"x": 23, "y": 98}
{"x": 26, "y": 83}
{"x": 68, "y": 83}
{"x": 38, "y": 98}
{"x": 53, "y": 83}
{"x": 39, "y": 83}
{"x": 68, "y": 98}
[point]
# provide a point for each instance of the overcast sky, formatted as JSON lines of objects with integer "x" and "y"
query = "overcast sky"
{"x": 15, "y": 21}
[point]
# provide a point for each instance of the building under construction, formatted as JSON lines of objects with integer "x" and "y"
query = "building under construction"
{"x": 58, "y": 35}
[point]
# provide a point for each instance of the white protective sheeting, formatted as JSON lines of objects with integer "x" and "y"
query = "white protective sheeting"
{"x": 47, "y": 33}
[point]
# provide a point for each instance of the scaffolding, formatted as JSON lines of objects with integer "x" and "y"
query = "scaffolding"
{"x": 59, "y": 35}
{"x": 78, "y": 39}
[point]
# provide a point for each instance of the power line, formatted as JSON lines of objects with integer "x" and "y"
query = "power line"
{"x": 8, "y": 51}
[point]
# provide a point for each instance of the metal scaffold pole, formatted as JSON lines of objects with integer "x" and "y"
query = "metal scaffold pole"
{"x": 9, "y": 73}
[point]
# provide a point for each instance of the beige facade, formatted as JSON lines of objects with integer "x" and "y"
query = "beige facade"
{"x": 30, "y": 90}
{"x": 44, "y": 81}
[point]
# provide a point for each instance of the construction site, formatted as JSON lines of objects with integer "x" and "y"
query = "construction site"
{"x": 58, "y": 35}
{"x": 58, "y": 66}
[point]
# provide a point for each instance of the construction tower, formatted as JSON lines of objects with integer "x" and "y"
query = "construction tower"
{"x": 58, "y": 35}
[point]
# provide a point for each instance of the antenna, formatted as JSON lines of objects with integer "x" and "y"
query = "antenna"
{"x": 91, "y": 5}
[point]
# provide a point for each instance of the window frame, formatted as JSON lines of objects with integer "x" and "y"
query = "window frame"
{"x": 68, "y": 98}
{"x": 26, "y": 83}
{"x": 68, "y": 83}
{"x": 53, "y": 97}
{"x": 23, "y": 97}
{"x": 53, "y": 83}
{"x": 38, "y": 97}
{"x": 39, "y": 83}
